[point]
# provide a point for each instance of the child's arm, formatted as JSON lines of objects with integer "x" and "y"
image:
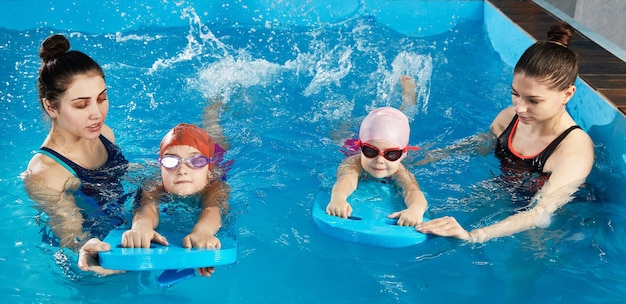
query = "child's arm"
{"x": 347, "y": 181}
{"x": 414, "y": 199}
{"x": 203, "y": 233}
{"x": 145, "y": 220}
{"x": 215, "y": 199}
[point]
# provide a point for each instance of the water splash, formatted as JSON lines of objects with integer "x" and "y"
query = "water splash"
{"x": 199, "y": 39}
{"x": 417, "y": 66}
{"x": 329, "y": 68}
{"x": 229, "y": 73}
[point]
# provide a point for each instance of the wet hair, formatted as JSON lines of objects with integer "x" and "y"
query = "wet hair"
{"x": 59, "y": 66}
{"x": 551, "y": 61}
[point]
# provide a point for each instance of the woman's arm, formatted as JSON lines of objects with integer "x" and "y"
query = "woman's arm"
{"x": 569, "y": 165}
{"x": 51, "y": 187}
{"x": 478, "y": 144}
{"x": 546, "y": 202}
{"x": 502, "y": 121}
{"x": 347, "y": 180}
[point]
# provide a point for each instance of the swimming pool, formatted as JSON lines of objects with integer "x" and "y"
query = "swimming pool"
{"x": 297, "y": 77}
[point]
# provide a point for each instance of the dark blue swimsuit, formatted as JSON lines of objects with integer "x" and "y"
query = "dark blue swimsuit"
{"x": 101, "y": 194}
{"x": 526, "y": 172}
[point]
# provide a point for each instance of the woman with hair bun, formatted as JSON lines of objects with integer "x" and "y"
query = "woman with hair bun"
{"x": 75, "y": 177}
{"x": 536, "y": 140}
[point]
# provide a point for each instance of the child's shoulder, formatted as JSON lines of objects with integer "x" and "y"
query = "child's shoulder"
{"x": 350, "y": 166}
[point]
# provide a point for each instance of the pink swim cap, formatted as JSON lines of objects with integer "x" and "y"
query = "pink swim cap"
{"x": 388, "y": 124}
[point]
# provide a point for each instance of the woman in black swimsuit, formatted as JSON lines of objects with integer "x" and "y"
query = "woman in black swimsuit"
{"x": 75, "y": 177}
{"x": 536, "y": 135}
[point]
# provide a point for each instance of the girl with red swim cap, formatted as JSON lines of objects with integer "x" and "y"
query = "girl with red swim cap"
{"x": 187, "y": 156}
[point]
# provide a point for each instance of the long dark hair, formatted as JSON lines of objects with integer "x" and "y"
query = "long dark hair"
{"x": 551, "y": 61}
{"x": 59, "y": 66}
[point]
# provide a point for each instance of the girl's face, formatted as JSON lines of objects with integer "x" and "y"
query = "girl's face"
{"x": 534, "y": 102}
{"x": 184, "y": 180}
{"x": 378, "y": 166}
{"x": 83, "y": 108}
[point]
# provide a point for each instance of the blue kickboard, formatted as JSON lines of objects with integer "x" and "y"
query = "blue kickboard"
{"x": 159, "y": 257}
{"x": 368, "y": 224}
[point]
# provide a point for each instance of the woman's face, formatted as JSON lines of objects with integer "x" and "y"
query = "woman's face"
{"x": 184, "y": 180}
{"x": 535, "y": 102}
{"x": 83, "y": 108}
{"x": 378, "y": 166}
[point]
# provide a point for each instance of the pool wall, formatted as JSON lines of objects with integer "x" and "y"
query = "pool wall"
{"x": 599, "y": 117}
{"x": 112, "y": 16}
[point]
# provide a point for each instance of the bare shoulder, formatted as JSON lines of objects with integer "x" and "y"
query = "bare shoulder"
{"x": 404, "y": 177}
{"x": 221, "y": 184}
{"x": 577, "y": 143}
{"x": 574, "y": 157}
{"x": 350, "y": 165}
{"x": 502, "y": 120}
{"x": 217, "y": 193}
{"x": 45, "y": 173}
{"x": 108, "y": 133}
{"x": 352, "y": 160}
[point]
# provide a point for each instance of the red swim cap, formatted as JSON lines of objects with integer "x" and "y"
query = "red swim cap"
{"x": 188, "y": 135}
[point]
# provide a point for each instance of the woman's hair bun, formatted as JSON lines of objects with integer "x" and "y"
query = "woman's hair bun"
{"x": 53, "y": 47}
{"x": 561, "y": 33}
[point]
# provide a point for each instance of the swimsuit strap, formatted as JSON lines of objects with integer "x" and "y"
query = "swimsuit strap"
{"x": 541, "y": 157}
{"x": 552, "y": 146}
{"x": 529, "y": 163}
{"x": 510, "y": 127}
{"x": 58, "y": 158}
{"x": 113, "y": 158}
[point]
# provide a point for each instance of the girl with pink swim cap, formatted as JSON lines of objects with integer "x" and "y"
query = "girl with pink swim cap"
{"x": 383, "y": 143}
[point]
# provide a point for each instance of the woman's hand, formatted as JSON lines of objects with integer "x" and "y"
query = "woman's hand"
{"x": 446, "y": 226}
{"x": 88, "y": 257}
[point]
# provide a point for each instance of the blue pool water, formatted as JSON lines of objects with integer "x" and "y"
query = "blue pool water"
{"x": 293, "y": 89}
